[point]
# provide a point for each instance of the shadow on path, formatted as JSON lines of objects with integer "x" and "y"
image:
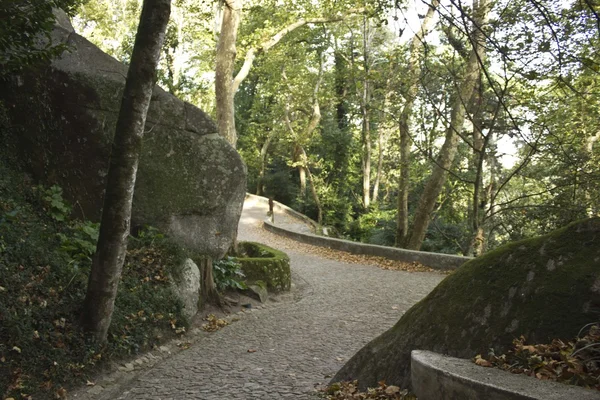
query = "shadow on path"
{"x": 300, "y": 342}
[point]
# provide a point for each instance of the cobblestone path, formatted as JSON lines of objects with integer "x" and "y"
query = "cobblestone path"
{"x": 300, "y": 342}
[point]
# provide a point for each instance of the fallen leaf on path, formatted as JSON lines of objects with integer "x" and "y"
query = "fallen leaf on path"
{"x": 482, "y": 362}
{"x": 214, "y": 323}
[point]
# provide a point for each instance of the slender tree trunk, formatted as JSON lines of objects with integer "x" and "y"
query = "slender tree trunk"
{"x": 225, "y": 59}
{"x": 301, "y": 166}
{"x": 591, "y": 207}
{"x": 299, "y": 156}
{"x": 208, "y": 289}
{"x": 366, "y": 131}
{"x": 476, "y": 163}
{"x": 416, "y": 47}
{"x": 110, "y": 253}
{"x": 449, "y": 149}
{"x": 313, "y": 189}
{"x": 380, "y": 144}
{"x": 366, "y": 158}
{"x": 263, "y": 161}
{"x": 340, "y": 167}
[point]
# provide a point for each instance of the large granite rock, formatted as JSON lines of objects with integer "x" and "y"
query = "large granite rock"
{"x": 190, "y": 181}
{"x": 543, "y": 288}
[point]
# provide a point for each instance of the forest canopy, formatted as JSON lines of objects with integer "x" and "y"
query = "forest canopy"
{"x": 450, "y": 126}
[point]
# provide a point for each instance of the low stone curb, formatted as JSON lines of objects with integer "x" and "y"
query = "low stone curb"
{"x": 438, "y": 377}
{"x": 433, "y": 260}
{"x": 285, "y": 209}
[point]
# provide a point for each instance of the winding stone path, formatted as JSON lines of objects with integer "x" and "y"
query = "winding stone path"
{"x": 300, "y": 342}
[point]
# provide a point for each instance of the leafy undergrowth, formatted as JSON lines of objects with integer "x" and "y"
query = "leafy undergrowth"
{"x": 45, "y": 259}
{"x": 350, "y": 391}
{"x": 576, "y": 362}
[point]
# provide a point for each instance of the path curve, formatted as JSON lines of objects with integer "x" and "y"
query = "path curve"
{"x": 299, "y": 343}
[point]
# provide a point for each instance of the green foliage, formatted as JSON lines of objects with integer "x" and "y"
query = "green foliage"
{"x": 44, "y": 265}
{"x": 25, "y": 34}
{"x": 228, "y": 274}
{"x": 79, "y": 243}
{"x": 57, "y": 208}
{"x": 377, "y": 226}
{"x": 539, "y": 102}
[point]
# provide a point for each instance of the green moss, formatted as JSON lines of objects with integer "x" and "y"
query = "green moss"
{"x": 542, "y": 288}
{"x": 539, "y": 287}
{"x": 264, "y": 264}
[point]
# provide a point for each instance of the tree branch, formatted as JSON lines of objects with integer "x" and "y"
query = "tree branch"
{"x": 268, "y": 44}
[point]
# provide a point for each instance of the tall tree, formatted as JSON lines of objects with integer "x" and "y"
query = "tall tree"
{"x": 366, "y": 111}
{"x": 225, "y": 60}
{"x": 127, "y": 144}
{"x": 414, "y": 67}
{"x": 445, "y": 158}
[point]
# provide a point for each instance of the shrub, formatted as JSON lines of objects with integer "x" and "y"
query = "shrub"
{"x": 228, "y": 274}
{"x": 44, "y": 265}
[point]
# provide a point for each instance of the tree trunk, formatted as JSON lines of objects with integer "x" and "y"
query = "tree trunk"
{"x": 366, "y": 159}
{"x": 366, "y": 131}
{"x": 263, "y": 161}
{"x": 208, "y": 289}
{"x": 299, "y": 156}
{"x": 416, "y": 47}
{"x": 301, "y": 166}
{"x": 476, "y": 163}
{"x": 225, "y": 59}
{"x": 313, "y": 189}
{"x": 449, "y": 149}
{"x": 110, "y": 253}
{"x": 380, "y": 143}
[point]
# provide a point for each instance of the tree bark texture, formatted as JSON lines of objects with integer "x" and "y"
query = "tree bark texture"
{"x": 110, "y": 253}
{"x": 208, "y": 289}
{"x": 380, "y": 143}
{"x": 449, "y": 149}
{"x": 416, "y": 48}
{"x": 477, "y": 211}
{"x": 366, "y": 124}
{"x": 225, "y": 60}
{"x": 264, "y": 150}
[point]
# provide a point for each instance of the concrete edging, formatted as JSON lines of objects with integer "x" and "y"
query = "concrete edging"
{"x": 438, "y": 377}
{"x": 432, "y": 260}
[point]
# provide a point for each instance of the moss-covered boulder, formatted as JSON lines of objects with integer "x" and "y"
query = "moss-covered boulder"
{"x": 62, "y": 117}
{"x": 543, "y": 288}
{"x": 262, "y": 263}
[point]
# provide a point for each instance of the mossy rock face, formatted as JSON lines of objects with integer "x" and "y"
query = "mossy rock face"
{"x": 262, "y": 263}
{"x": 62, "y": 116}
{"x": 543, "y": 288}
